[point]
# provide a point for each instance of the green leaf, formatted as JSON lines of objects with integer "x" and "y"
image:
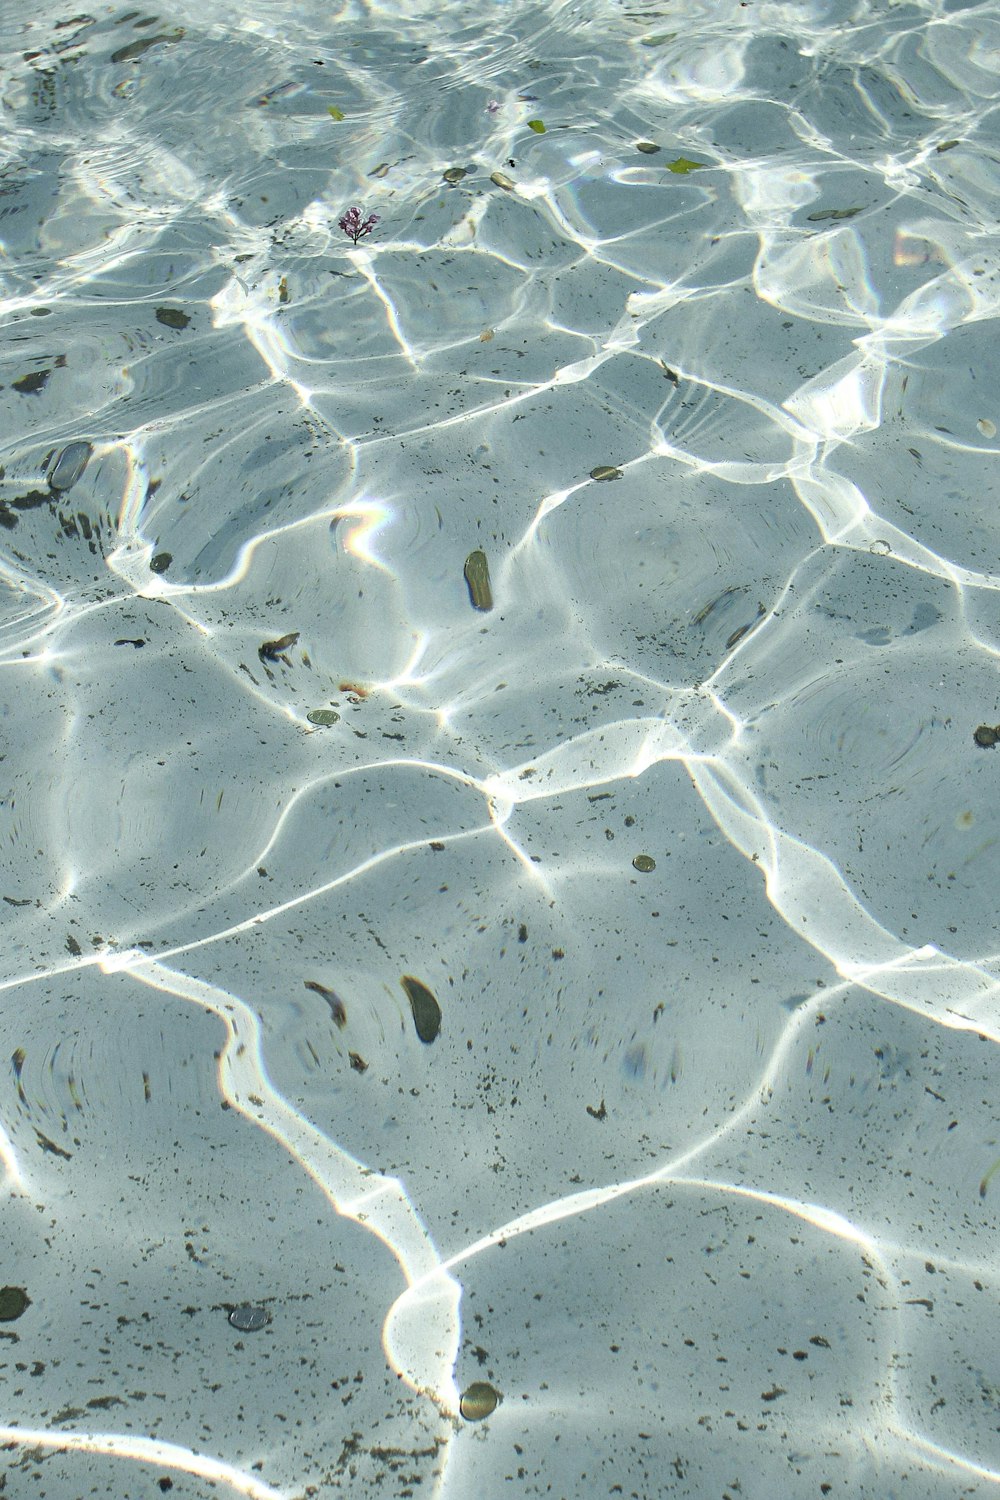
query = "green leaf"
{"x": 536, "y": 126}
{"x": 832, "y": 213}
{"x": 683, "y": 165}
{"x": 338, "y": 114}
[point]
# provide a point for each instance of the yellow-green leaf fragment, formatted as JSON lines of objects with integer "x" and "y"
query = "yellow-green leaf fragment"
{"x": 832, "y": 213}
{"x": 477, "y": 576}
{"x": 536, "y": 126}
{"x": 644, "y": 863}
{"x": 683, "y": 165}
{"x": 335, "y": 113}
{"x": 605, "y": 471}
{"x": 453, "y": 175}
{"x": 501, "y": 180}
{"x": 426, "y": 1010}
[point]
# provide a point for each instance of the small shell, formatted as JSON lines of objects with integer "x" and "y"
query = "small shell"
{"x": 501, "y": 180}
{"x": 478, "y": 1400}
{"x": 605, "y": 471}
{"x": 644, "y": 863}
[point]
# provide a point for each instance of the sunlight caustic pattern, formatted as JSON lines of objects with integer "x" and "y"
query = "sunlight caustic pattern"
{"x": 499, "y": 802}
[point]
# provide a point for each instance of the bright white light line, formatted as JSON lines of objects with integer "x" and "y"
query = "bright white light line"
{"x": 378, "y": 1203}
{"x": 145, "y": 1450}
{"x": 825, "y": 1219}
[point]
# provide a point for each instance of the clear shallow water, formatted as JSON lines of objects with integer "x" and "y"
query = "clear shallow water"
{"x": 692, "y": 1164}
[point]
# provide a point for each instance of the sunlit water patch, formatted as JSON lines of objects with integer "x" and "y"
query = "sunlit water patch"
{"x": 498, "y": 630}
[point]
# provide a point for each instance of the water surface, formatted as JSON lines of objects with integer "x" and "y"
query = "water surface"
{"x": 498, "y": 793}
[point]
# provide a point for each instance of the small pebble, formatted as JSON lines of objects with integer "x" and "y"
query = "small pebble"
{"x": 249, "y": 1319}
{"x": 172, "y": 317}
{"x": 69, "y": 465}
{"x": 14, "y": 1300}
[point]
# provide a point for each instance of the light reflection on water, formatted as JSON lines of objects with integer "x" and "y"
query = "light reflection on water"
{"x": 576, "y": 599}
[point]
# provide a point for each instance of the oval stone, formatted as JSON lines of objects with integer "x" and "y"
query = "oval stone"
{"x": 478, "y": 1400}
{"x": 14, "y": 1301}
{"x": 249, "y": 1319}
{"x": 69, "y": 465}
